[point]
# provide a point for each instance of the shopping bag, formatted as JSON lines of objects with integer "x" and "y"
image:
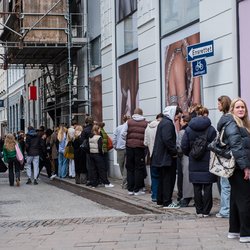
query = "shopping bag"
{"x": 19, "y": 154}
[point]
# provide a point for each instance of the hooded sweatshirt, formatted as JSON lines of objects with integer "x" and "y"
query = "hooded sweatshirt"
{"x": 149, "y": 137}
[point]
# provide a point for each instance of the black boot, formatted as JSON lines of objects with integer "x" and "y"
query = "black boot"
{"x": 77, "y": 179}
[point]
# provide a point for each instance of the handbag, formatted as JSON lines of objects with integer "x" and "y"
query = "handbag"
{"x": 19, "y": 154}
{"x": 85, "y": 146}
{"x": 222, "y": 162}
{"x": 3, "y": 167}
{"x": 110, "y": 143}
{"x": 221, "y": 166}
{"x": 69, "y": 151}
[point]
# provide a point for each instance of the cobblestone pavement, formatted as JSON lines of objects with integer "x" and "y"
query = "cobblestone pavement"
{"x": 171, "y": 229}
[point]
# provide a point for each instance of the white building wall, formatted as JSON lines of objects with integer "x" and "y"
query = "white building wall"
{"x": 108, "y": 74}
{"x": 149, "y": 58}
{"x": 218, "y": 23}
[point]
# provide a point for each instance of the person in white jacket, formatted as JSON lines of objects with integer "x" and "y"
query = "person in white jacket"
{"x": 119, "y": 144}
{"x": 149, "y": 140}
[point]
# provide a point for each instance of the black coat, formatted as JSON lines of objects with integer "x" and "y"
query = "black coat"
{"x": 198, "y": 169}
{"x": 238, "y": 139}
{"x": 165, "y": 144}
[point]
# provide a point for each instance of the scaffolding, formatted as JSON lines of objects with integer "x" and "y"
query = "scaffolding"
{"x": 47, "y": 35}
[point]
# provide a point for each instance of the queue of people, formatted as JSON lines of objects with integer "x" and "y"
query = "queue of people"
{"x": 168, "y": 141}
{"x": 60, "y": 152}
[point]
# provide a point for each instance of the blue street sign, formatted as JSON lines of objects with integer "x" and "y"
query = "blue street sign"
{"x": 200, "y": 50}
{"x": 199, "y": 67}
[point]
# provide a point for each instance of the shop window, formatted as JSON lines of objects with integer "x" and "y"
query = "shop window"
{"x": 176, "y": 14}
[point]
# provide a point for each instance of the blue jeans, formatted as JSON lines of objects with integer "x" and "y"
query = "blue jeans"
{"x": 225, "y": 197}
{"x": 62, "y": 166}
{"x": 154, "y": 172}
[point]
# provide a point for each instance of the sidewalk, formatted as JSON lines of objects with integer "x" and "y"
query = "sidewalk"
{"x": 141, "y": 201}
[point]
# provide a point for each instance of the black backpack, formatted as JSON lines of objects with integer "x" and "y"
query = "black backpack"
{"x": 199, "y": 146}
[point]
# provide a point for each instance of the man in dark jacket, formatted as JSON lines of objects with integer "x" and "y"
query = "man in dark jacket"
{"x": 33, "y": 147}
{"x": 165, "y": 156}
{"x": 133, "y": 133}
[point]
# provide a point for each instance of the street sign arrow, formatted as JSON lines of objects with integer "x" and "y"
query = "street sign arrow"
{"x": 200, "y": 50}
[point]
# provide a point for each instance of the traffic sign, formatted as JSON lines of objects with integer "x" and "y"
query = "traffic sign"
{"x": 199, "y": 67}
{"x": 200, "y": 50}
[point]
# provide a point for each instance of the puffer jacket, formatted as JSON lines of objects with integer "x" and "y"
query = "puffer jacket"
{"x": 237, "y": 138}
{"x": 199, "y": 169}
{"x": 133, "y": 131}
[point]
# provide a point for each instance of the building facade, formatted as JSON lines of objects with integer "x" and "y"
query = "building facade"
{"x": 136, "y": 56}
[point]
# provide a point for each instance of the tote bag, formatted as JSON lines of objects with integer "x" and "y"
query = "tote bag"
{"x": 69, "y": 151}
{"x": 222, "y": 162}
{"x": 221, "y": 166}
{"x": 19, "y": 154}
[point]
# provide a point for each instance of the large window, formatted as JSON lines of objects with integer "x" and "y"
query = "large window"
{"x": 124, "y": 8}
{"x": 95, "y": 53}
{"x": 127, "y": 35}
{"x": 177, "y": 13}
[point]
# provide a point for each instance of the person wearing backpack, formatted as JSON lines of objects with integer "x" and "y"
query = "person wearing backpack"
{"x": 199, "y": 175}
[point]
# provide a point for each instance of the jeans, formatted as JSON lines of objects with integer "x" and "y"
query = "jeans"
{"x": 35, "y": 161}
{"x": 62, "y": 166}
{"x": 121, "y": 156}
{"x": 154, "y": 172}
{"x": 225, "y": 197}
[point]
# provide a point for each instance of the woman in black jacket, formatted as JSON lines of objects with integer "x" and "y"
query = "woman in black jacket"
{"x": 237, "y": 136}
{"x": 199, "y": 174}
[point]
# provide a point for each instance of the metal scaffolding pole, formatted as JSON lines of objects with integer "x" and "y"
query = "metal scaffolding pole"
{"x": 69, "y": 60}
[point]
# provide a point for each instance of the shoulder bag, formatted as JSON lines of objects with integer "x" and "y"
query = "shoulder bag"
{"x": 222, "y": 162}
{"x": 19, "y": 154}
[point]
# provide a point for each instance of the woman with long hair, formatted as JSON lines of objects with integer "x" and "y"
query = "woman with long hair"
{"x": 237, "y": 137}
{"x": 223, "y": 106}
{"x": 9, "y": 154}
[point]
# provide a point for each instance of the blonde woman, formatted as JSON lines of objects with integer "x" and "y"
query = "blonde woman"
{"x": 9, "y": 154}
{"x": 237, "y": 137}
{"x": 62, "y": 161}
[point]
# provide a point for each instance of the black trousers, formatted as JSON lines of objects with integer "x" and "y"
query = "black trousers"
{"x": 13, "y": 163}
{"x": 203, "y": 197}
{"x": 135, "y": 165}
{"x": 45, "y": 163}
{"x": 239, "y": 220}
{"x": 97, "y": 170}
{"x": 166, "y": 185}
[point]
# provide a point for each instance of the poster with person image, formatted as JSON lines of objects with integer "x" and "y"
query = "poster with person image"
{"x": 127, "y": 89}
{"x": 180, "y": 87}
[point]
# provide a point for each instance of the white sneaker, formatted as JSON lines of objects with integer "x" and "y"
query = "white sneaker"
{"x": 234, "y": 236}
{"x": 130, "y": 193}
{"x": 109, "y": 185}
{"x": 245, "y": 239}
{"x": 53, "y": 176}
{"x": 139, "y": 193}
